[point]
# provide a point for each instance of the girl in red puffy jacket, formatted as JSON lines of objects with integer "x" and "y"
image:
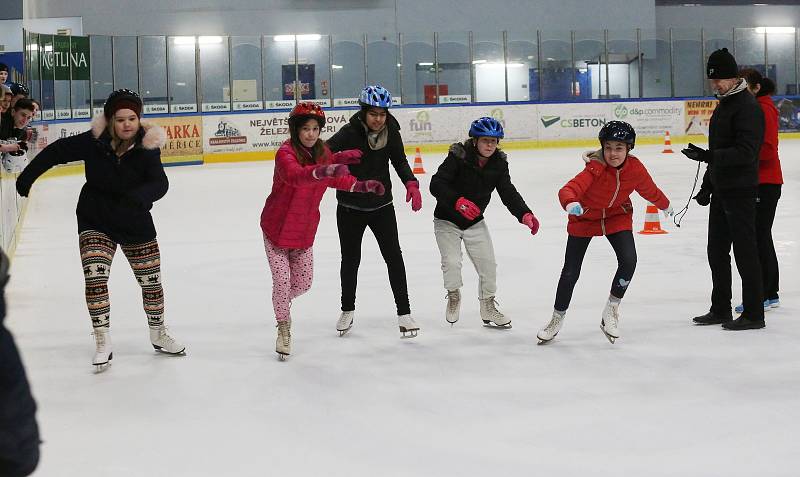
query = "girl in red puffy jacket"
{"x": 598, "y": 202}
{"x": 304, "y": 168}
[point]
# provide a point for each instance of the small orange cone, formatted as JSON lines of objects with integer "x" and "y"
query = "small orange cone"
{"x": 652, "y": 224}
{"x": 418, "y": 169}
{"x": 667, "y": 144}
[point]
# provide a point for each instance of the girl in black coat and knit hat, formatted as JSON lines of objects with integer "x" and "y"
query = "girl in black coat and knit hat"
{"x": 124, "y": 176}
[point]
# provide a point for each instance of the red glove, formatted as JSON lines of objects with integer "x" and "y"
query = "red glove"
{"x": 330, "y": 170}
{"x": 371, "y": 185}
{"x": 531, "y": 222}
{"x": 413, "y": 195}
{"x": 350, "y": 156}
{"x": 467, "y": 208}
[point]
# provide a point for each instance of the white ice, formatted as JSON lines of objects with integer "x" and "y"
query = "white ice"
{"x": 668, "y": 399}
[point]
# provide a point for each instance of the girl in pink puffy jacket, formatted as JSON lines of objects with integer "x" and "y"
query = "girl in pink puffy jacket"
{"x": 304, "y": 168}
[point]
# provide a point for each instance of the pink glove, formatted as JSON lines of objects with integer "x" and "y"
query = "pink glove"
{"x": 371, "y": 185}
{"x": 467, "y": 208}
{"x": 413, "y": 195}
{"x": 531, "y": 222}
{"x": 330, "y": 170}
{"x": 350, "y": 156}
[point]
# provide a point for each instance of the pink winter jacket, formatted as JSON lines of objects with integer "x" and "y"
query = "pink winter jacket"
{"x": 291, "y": 212}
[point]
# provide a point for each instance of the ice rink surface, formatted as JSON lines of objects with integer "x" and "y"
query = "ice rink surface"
{"x": 668, "y": 399}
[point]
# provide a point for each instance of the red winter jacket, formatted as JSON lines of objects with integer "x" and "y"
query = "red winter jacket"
{"x": 604, "y": 193}
{"x": 769, "y": 166}
{"x": 291, "y": 212}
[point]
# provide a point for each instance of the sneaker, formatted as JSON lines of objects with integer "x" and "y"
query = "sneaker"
{"x": 767, "y": 304}
{"x": 491, "y": 315}
{"x": 345, "y": 322}
{"x": 712, "y": 318}
{"x": 773, "y": 303}
{"x": 407, "y": 325}
{"x": 453, "y": 306}
{"x": 165, "y": 343}
{"x": 551, "y": 330}
{"x": 283, "y": 343}
{"x": 744, "y": 322}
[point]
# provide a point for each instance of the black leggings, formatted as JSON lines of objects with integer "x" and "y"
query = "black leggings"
{"x": 768, "y": 195}
{"x": 383, "y": 223}
{"x": 624, "y": 247}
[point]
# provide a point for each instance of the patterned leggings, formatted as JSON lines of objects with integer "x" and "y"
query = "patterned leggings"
{"x": 292, "y": 273}
{"x": 97, "y": 252}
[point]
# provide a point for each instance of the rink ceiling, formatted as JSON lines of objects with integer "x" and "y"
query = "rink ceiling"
{"x": 666, "y": 399}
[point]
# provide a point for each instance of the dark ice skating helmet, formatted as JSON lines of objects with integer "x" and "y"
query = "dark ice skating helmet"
{"x": 306, "y": 110}
{"x": 486, "y": 127}
{"x": 122, "y": 99}
{"x": 618, "y": 131}
{"x": 375, "y": 96}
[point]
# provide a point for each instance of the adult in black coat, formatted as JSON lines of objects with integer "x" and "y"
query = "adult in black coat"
{"x": 375, "y": 132}
{"x": 19, "y": 433}
{"x": 124, "y": 176}
{"x": 463, "y": 187}
{"x": 730, "y": 185}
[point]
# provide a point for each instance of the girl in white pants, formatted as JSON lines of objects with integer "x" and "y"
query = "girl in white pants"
{"x": 463, "y": 186}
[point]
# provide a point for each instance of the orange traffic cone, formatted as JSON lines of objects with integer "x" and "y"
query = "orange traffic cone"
{"x": 667, "y": 144}
{"x": 652, "y": 224}
{"x": 418, "y": 169}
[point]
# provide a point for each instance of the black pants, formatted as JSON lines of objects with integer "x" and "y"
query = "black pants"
{"x": 625, "y": 249}
{"x": 732, "y": 220}
{"x": 383, "y": 223}
{"x": 768, "y": 195}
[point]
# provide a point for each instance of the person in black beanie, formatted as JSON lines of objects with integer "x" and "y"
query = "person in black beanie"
{"x": 19, "y": 433}
{"x": 124, "y": 177}
{"x": 730, "y": 185}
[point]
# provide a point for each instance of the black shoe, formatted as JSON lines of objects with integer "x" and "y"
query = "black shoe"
{"x": 712, "y": 318}
{"x": 744, "y": 323}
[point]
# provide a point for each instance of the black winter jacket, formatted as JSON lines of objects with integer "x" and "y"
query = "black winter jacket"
{"x": 119, "y": 191}
{"x": 19, "y": 434}
{"x": 7, "y": 129}
{"x": 735, "y": 135}
{"x": 460, "y": 175}
{"x": 374, "y": 164}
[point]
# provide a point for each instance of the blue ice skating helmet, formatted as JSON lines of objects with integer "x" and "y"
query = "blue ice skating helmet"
{"x": 486, "y": 127}
{"x": 618, "y": 131}
{"x": 376, "y": 95}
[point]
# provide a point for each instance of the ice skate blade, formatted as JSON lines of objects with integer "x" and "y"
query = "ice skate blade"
{"x": 408, "y": 333}
{"x": 544, "y": 342}
{"x": 611, "y": 339}
{"x": 343, "y": 332}
{"x": 491, "y": 324}
{"x": 162, "y": 350}
{"x": 100, "y": 367}
{"x": 282, "y": 356}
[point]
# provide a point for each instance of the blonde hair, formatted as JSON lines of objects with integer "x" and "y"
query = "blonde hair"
{"x": 115, "y": 140}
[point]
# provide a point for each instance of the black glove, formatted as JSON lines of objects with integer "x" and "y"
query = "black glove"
{"x": 703, "y": 197}
{"x": 23, "y": 187}
{"x": 696, "y": 153}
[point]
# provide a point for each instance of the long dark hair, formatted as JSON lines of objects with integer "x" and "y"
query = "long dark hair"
{"x": 300, "y": 151}
{"x": 753, "y": 77}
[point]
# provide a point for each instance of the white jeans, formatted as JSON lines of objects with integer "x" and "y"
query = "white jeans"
{"x": 480, "y": 250}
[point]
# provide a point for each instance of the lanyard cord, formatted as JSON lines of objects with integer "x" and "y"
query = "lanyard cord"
{"x": 677, "y": 218}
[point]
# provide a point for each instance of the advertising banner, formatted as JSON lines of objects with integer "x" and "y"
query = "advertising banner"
{"x": 697, "y": 116}
{"x": 258, "y": 132}
{"x": 572, "y": 121}
{"x": 184, "y": 136}
{"x": 652, "y": 119}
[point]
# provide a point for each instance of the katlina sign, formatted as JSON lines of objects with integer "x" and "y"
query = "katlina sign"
{"x": 64, "y": 57}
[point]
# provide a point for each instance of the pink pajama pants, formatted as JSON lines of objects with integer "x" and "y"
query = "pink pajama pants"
{"x": 292, "y": 273}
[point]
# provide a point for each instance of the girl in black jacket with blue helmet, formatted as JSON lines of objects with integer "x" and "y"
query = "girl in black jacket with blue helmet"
{"x": 463, "y": 186}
